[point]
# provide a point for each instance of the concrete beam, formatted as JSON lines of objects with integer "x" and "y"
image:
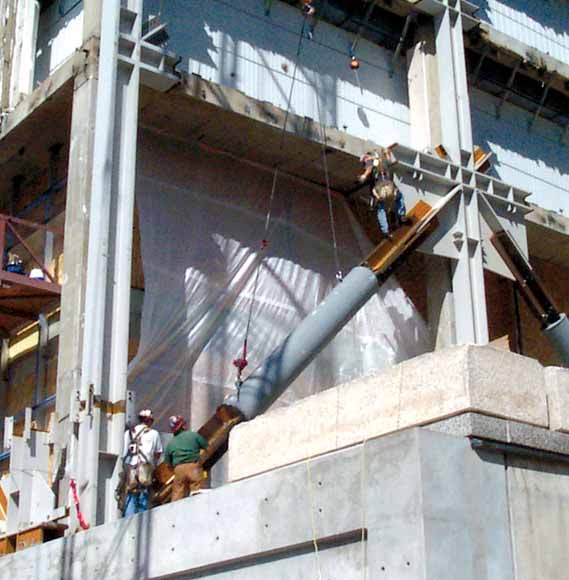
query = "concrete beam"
{"x": 230, "y": 99}
{"x": 47, "y": 90}
{"x": 548, "y": 236}
{"x": 511, "y": 51}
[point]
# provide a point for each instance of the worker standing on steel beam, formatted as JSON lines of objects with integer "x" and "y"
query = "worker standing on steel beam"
{"x": 183, "y": 453}
{"x": 309, "y": 12}
{"x": 142, "y": 451}
{"x": 385, "y": 198}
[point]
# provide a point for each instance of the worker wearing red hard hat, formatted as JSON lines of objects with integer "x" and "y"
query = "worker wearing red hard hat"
{"x": 183, "y": 453}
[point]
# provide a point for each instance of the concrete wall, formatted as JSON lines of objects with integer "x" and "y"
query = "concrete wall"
{"x": 542, "y": 25}
{"x": 406, "y": 490}
{"x": 433, "y": 508}
{"x": 60, "y": 32}
{"x": 235, "y": 44}
{"x": 532, "y": 160}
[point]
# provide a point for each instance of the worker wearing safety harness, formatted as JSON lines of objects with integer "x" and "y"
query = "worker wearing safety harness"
{"x": 142, "y": 451}
{"x": 183, "y": 453}
{"x": 385, "y": 198}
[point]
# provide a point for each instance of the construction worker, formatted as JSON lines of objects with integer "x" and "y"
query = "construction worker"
{"x": 309, "y": 12}
{"x": 384, "y": 195}
{"x": 183, "y": 453}
{"x": 142, "y": 451}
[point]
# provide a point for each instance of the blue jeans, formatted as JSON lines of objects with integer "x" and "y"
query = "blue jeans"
{"x": 136, "y": 503}
{"x": 383, "y": 218}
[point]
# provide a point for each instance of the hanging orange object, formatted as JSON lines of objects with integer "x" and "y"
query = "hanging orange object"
{"x": 354, "y": 63}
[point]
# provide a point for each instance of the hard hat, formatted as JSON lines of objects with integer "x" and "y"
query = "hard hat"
{"x": 176, "y": 422}
{"x": 145, "y": 414}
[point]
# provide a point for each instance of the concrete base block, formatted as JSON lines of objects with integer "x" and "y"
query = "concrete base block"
{"x": 417, "y": 392}
{"x": 557, "y": 383}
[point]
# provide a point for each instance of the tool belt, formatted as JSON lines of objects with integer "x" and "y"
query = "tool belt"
{"x": 385, "y": 192}
{"x": 138, "y": 477}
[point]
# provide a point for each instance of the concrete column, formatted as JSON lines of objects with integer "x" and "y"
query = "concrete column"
{"x": 91, "y": 18}
{"x": 70, "y": 356}
{"x": 7, "y": 29}
{"x": 423, "y": 83}
{"x": 24, "y": 54}
{"x": 4, "y": 383}
{"x": 440, "y": 305}
{"x": 454, "y": 100}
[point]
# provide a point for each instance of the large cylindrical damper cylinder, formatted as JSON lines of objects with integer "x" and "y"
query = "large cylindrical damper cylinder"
{"x": 280, "y": 369}
{"x": 558, "y": 334}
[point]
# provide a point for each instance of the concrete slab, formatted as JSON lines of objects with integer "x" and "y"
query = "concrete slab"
{"x": 494, "y": 429}
{"x": 417, "y": 392}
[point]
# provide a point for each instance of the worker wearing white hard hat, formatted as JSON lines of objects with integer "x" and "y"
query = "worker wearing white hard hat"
{"x": 142, "y": 452}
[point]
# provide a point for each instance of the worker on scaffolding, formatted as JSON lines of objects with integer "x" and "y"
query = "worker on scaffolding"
{"x": 142, "y": 452}
{"x": 385, "y": 197}
{"x": 183, "y": 453}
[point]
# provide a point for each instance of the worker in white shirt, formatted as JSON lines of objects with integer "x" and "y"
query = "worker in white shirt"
{"x": 142, "y": 451}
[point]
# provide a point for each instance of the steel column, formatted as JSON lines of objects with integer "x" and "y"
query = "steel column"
{"x": 107, "y": 300}
{"x": 468, "y": 270}
{"x": 453, "y": 86}
{"x": 469, "y": 298}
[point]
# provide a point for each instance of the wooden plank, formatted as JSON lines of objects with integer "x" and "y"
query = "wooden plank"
{"x": 3, "y": 505}
{"x": 403, "y": 238}
{"x": 29, "y": 538}
{"x": 7, "y": 545}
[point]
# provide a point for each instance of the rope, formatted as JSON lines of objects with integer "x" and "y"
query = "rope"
{"x": 312, "y": 520}
{"x": 289, "y": 100}
{"x": 339, "y": 274}
{"x": 364, "y": 511}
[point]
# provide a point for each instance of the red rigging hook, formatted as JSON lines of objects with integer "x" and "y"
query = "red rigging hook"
{"x": 240, "y": 363}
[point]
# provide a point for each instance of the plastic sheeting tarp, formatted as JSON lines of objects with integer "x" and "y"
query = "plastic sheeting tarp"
{"x": 202, "y": 219}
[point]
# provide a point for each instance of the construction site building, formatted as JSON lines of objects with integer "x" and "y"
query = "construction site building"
{"x": 178, "y": 191}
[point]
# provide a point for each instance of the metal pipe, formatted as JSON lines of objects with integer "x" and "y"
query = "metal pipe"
{"x": 558, "y": 334}
{"x": 263, "y": 387}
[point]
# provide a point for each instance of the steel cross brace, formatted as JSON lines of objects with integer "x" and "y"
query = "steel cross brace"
{"x": 546, "y": 87}
{"x": 508, "y": 90}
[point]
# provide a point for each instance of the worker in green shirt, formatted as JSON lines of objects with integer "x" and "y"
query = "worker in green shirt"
{"x": 183, "y": 453}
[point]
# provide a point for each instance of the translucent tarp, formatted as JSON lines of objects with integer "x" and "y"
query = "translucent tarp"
{"x": 202, "y": 220}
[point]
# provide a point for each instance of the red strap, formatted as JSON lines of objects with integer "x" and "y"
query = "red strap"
{"x": 241, "y": 363}
{"x": 84, "y": 525}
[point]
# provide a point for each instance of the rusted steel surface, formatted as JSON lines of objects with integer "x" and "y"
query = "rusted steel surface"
{"x": 216, "y": 432}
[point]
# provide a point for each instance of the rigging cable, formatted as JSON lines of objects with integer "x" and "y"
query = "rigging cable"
{"x": 339, "y": 275}
{"x": 241, "y": 362}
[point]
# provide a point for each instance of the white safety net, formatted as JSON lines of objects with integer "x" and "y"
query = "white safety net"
{"x": 202, "y": 220}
